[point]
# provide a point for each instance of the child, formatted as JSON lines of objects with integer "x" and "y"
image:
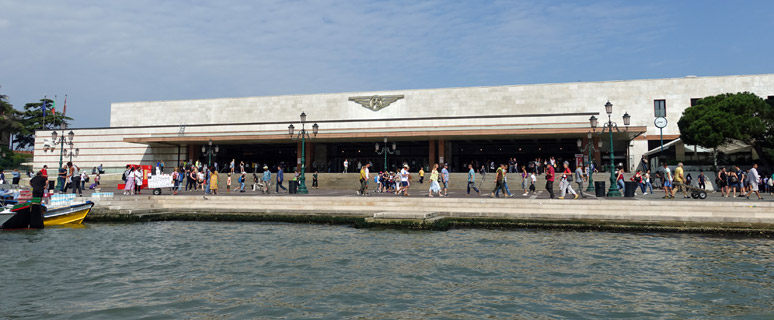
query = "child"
{"x": 532, "y": 181}
{"x": 228, "y": 181}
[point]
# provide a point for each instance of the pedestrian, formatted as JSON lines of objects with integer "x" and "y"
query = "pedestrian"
{"x": 550, "y": 171}
{"x": 138, "y": 177}
{"x": 637, "y": 178}
{"x": 346, "y": 165}
{"x": 754, "y": 179}
{"x": 175, "y": 176}
{"x": 565, "y": 184}
{"x": 266, "y": 180}
{"x": 646, "y": 179}
{"x": 74, "y": 177}
{"x": 242, "y": 182}
{"x": 314, "y": 180}
{"x": 733, "y": 183}
{"x": 404, "y": 179}
{"x": 472, "y": 179}
{"x": 365, "y": 174}
{"x": 280, "y": 179}
{"x": 228, "y": 183}
{"x": 580, "y": 177}
{"x": 241, "y": 167}
{"x": 667, "y": 183}
{"x": 421, "y": 175}
{"x": 620, "y": 179}
{"x": 231, "y": 166}
{"x": 434, "y": 186}
{"x": 499, "y": 177}
{"x": 702, "y": 180}
{"x": 506, "y": 190}
{"x": 721, "y": 180}
{"x": 15, "y": 176}
{"x": 532, "y": 183}
{"x": 129, "y": 185}
{"x": 445, "y": 179}
{"x": 524, "y": 178}
{"x": 482, "y": 171}
{"x": 214, "y": 182}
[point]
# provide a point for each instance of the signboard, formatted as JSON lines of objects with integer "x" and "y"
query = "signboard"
{"x": 578, "y": 160}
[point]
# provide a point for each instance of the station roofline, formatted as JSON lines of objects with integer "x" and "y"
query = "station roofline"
{"x": 367, "y": 93}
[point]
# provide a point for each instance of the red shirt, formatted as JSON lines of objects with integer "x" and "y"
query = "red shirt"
{"x": 550, "y": 173}
{"x": 44, "y": 172}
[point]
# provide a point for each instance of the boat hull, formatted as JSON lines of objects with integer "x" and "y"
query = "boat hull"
{"x": 68, "y": 215}
{"x": 23, "y": 216}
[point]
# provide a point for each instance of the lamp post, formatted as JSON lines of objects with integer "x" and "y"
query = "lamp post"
{"x": 591, "y": 149}
{"x": 210, "y": 152}
{"x": 70, "y": 136}
{"x": 385, "y": 150}
{"x": 303, "y": 135}
{"x": 609, "y": 126}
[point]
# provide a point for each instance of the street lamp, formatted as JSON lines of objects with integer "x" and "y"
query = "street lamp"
{"x": 210, "y": 152}
{"x": 385, "y": 150}
{"x": 591, "y": 149}
{"x": 70, "y": 135}
{"x": 302, "y": 135}
{"x": 609, "y": 126}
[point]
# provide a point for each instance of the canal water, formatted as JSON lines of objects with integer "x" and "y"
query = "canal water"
{"x": 209, "y": 270}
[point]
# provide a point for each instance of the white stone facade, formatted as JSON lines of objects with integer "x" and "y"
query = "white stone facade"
{"x": 534, "y": 109}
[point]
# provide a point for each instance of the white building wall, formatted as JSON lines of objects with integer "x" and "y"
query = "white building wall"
{"x": 222, "y": 116}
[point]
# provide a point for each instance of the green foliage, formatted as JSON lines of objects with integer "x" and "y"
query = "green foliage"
{"x": 9, "y": 117}
{"x": 32, "y": 119}
{"x": 11, "y": 160}
{"x": 742, "y": 116}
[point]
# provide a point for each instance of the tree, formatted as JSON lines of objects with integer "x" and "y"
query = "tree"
{"x": 9, "y": 118}
{"x": 743, "y": 116}
{"x": 32, "y": 119}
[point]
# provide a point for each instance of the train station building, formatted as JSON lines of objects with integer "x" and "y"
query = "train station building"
{"x": 450, "y": 125}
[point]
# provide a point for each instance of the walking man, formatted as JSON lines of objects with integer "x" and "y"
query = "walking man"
{"x": 445, "y": 178}
{"x": 668, "y": 194}
{"x": 679, "y": 181}
{"x": 580, "y": 178}
{"x": 280, "y": 178}
{"x": 472, "y": 179}
{"x": 754, "y": 179}
{"x": 550, "y": 172}
{"x": 499, "y": 177}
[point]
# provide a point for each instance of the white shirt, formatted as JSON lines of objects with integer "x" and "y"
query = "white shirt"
{"x": 532, "y": 177}
{"x": 403, "y": 175}
{"x": 367, "y": 172}
{"x": 668, "y": 174}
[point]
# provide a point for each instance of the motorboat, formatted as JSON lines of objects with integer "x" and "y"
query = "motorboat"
{"x": 18, "y": 216}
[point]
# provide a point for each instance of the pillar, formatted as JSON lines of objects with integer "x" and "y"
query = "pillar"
{"x": 432, "y": 154}
{"x": 309, "y": 155}
{"x": 441, "y": 152}
{"x": 597, "y": 152}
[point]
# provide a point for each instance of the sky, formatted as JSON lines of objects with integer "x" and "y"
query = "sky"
{"x": 104, "y": 51}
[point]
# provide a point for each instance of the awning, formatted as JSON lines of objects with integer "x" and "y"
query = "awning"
{"x": 731, "y": 147}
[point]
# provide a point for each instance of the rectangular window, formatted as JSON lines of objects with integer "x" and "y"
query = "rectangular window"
{"x": 659, "y": 107}
{"x": 694, "y": 101}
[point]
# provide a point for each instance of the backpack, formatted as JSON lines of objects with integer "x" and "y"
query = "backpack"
{"x": 126, "y": 173}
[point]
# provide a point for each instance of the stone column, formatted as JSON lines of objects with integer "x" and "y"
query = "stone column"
{"x": 309, "y": 155}
{"x": 441, "y": 152}
{"x": 433, "y": 160}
